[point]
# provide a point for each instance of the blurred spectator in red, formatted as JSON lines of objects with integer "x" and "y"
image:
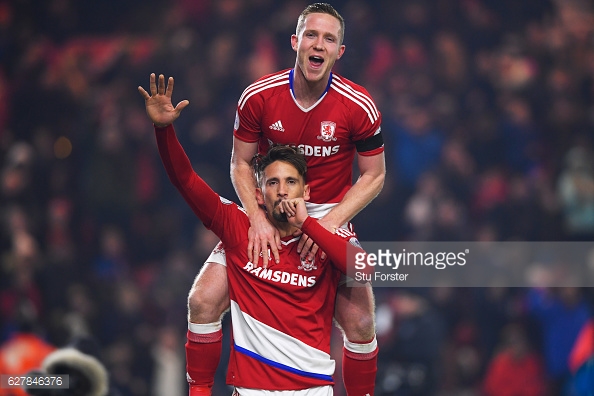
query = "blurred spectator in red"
{"x": 515, "y": 369}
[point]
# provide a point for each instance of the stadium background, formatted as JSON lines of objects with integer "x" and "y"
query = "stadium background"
{"x": 488, "y": 122}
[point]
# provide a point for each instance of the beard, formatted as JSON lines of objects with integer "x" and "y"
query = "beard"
{"x": 280, "y": 217}
{"x": 277, "y": 215}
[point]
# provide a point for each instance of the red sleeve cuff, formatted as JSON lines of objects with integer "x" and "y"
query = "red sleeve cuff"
{"x": 161, "y": 129}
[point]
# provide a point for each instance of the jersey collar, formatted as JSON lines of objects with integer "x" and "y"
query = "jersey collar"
{"x": 292, "y": 79}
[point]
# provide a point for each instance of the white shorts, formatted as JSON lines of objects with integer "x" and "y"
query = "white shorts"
{"x": 317, "y": 391}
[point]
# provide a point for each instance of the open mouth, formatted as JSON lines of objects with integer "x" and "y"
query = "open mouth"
{"x": 316, "y": 60}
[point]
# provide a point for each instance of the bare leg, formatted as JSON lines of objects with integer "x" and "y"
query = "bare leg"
{"x": 354, "y": 314}
{"x": 207, "y": 302}
{"x": 209, "y": 296}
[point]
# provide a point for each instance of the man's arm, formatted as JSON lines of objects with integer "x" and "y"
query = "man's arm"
{"x": 372, "y": 171}
{"x": 261, "y": 233}
{"x": 338, "y": 248}
{"x": 199, "y": 196}
{"x": 159, "y": 108}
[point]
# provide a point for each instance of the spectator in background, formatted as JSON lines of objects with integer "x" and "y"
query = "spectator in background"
{"x": 25, "y": 348}
{"x": 576, "y": 191}
{"x": 561, "y": 313}
{"x": 520, "y": 136}
{"x": 581, "y": 362}
{"x": 417, "y": 144}
{"x": 515, "y": 369}
{"x": 411, "y": 334}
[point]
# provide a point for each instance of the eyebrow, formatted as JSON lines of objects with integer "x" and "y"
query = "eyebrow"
{"x": 276, "y": 179}
{"x": 318, "y": 32}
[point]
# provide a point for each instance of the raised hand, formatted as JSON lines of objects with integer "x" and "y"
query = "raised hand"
{"x": 158, "y": 104}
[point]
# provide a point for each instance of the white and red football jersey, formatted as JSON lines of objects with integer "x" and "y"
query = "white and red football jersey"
{"x": 343, "y": 121}
{"x": 281, "y": 316}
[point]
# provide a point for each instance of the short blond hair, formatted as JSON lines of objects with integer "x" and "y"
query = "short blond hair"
{"x": 320, "y": 8}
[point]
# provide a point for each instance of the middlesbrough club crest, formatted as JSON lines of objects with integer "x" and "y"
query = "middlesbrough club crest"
{"x": 327, "y": 130}
{"x": 307, "y": 264}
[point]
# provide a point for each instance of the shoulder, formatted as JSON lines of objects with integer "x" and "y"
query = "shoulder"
{"x": 238, "y": 212}
{"x": 355, "y": 96}
{"x": 265, "y": 85}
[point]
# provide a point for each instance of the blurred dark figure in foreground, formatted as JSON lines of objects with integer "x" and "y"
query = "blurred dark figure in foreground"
{"x": 86, "y": 373}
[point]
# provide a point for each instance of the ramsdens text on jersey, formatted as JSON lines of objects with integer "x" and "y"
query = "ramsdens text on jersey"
{"x": 280, "y": 276}
{"x": 317, "y": 151}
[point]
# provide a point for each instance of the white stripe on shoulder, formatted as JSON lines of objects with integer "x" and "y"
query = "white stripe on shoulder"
{"x": 271, "y": 78}
{"x": 274, "y": 345}
{"x": 358, "y": 97}
{"x": 269, "y": 82}
{"x": 366, "y": 98}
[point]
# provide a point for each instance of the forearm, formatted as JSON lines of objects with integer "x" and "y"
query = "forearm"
{"x": 336, "y": 247}
{"x": 200, "y": 197}
{"x": 366, "y": 188}
{"x": 174, "y": 158}
{"x": 242, "y": 177}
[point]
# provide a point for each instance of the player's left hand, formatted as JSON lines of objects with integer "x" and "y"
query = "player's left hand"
{"x": 295, "y": 210}
{"x": 158, "y": 104}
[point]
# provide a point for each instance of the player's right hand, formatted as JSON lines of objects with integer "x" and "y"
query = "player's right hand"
{"x": 158, "y": 104}
{"x": 263, "y": 236}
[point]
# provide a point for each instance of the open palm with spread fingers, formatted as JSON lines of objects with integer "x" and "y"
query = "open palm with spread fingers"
{"x": 158, "y": 104}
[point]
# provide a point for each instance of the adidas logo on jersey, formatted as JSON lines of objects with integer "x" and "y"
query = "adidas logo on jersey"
{"x": 277, "y": 126}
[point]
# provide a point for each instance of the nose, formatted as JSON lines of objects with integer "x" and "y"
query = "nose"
{"x": 319, "y": 44}
{"x": 282, "y": 190}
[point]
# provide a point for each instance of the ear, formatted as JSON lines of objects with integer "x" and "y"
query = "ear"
{"x": 260, "y": 197}
{"x": 306, "y": 193}
{"x": 294, "y": 42}
{"x": 341, "y": 51}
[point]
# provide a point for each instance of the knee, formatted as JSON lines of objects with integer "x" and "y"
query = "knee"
{"x": 204, "y": 307}
{"x": 359, "y": 327}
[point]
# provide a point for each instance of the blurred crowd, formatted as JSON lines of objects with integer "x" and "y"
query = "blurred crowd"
{"x": 488, "y": 119}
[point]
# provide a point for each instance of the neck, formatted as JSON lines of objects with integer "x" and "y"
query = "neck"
{"x": 284, "y": 228}
{"x": 307, "y": 92}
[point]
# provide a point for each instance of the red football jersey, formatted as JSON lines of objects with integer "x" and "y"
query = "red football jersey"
{"x": 281, "y": 316}
{"x": 344, "y": 120}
